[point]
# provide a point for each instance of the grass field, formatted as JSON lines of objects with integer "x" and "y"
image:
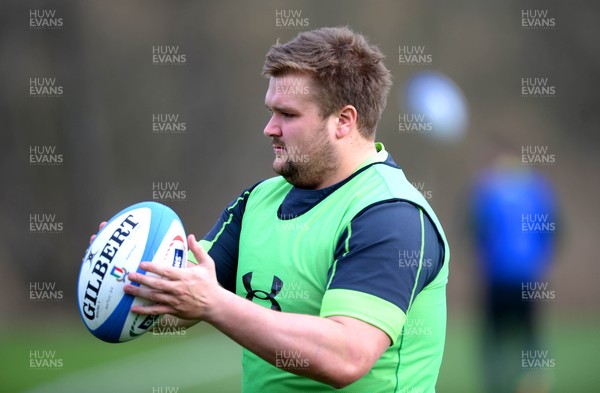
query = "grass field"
{"x": 62, "y": 360}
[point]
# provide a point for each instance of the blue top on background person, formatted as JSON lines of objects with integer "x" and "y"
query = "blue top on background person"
{"x": 514, "y": 209}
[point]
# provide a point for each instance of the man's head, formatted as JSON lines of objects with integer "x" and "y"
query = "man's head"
{"x": 344, "y": 70}
{"x": 326, "y": 92}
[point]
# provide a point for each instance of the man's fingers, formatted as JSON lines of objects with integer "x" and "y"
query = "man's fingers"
{"x": 201, "y": 255}
{"x": 162, "y": 270}
{"x": 155, "y": 309}
{"x": 102, "y": 225}
{"x": 148, "y": 294}
{"x": 149, "y": 281}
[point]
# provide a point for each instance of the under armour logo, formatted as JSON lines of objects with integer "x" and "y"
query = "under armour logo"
{"x": 254, "y": 293}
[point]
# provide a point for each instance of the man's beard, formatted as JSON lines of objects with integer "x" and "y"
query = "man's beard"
{"x": 310, "y": 167}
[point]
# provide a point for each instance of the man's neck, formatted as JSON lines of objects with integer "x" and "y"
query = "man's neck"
{"x": 350, "y": 161}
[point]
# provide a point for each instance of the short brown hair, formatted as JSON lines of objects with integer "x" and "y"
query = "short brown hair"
{"x": 345, "y": 67}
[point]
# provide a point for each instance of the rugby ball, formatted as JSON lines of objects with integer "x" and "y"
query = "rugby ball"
{"x": 147, "y": 231}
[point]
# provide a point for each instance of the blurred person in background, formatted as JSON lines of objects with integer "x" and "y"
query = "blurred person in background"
{"x": 514, "y": 212}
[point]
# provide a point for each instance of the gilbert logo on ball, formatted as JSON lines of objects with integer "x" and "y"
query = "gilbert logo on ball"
{"x": 147, "y": 231}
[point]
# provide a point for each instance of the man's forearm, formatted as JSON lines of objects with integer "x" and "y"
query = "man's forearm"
{"x": 311, "y": 346}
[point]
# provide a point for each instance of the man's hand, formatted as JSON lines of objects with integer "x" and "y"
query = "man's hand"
{"x": 179, "y": 322}
{"x": 102, "y": 225}
{"x": 184, "y": 293}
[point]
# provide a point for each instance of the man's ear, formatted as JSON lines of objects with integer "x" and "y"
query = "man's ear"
{"x": 347, "y": 117}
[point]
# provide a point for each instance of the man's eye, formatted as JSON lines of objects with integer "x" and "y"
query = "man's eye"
{"x": 287, "y": 115}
